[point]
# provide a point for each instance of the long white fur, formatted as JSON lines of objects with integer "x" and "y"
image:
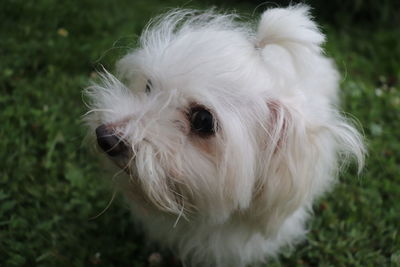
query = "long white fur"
{"x": 280, "y": 140}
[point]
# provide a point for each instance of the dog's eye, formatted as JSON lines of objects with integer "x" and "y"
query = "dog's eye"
{"x": 148, "y": 87}
{"x": 201, "y": 121}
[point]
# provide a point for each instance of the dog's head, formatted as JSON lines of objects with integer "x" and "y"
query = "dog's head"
{"x": 209, "y": 118}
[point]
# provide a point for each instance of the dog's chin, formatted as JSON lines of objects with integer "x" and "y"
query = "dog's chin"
{"x": 124, "y": 162}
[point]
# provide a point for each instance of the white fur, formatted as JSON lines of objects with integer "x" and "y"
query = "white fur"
{"x": 237, "y": 197}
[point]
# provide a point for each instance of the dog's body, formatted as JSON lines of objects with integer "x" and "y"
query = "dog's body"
{"x": 227, "y": 136}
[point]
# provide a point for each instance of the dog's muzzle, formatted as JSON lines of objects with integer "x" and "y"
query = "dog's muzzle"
{"x": 109, "y": 142}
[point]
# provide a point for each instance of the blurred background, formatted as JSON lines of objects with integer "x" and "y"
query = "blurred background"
{"x": 53, "y": 189}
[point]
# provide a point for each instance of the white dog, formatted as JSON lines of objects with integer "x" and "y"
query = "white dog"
{"x": 226, "y": 134}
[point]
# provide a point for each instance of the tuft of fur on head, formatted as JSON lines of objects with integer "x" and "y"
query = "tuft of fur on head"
{"x": 233, "y": 196}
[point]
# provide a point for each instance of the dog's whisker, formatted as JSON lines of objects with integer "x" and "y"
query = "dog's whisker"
{"x": 107, "y": 206}
{"x": 179, "y": 215}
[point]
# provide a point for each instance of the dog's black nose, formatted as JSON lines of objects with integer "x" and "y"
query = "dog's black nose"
{"x": 109, "y": 142}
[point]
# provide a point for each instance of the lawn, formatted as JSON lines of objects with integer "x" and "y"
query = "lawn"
{"x": 52, "y": 187}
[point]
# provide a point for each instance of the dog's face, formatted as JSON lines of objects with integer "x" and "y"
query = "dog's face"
{"x": 202, "y": 125}
{"x": 185, "y": 125}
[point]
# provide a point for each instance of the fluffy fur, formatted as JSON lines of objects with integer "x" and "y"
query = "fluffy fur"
{"x": 238, "y": 196}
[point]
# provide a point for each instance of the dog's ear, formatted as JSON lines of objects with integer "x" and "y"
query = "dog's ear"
{"x": 288, "y": 27}
{"x": 284, "y": 173}
{"x": 299, "y": 160}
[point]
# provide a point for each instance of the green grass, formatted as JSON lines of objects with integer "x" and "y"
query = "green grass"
{"x": 51, "y": 185}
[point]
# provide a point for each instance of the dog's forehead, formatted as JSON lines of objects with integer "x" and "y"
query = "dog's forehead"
{"x": 205, "y": 54}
